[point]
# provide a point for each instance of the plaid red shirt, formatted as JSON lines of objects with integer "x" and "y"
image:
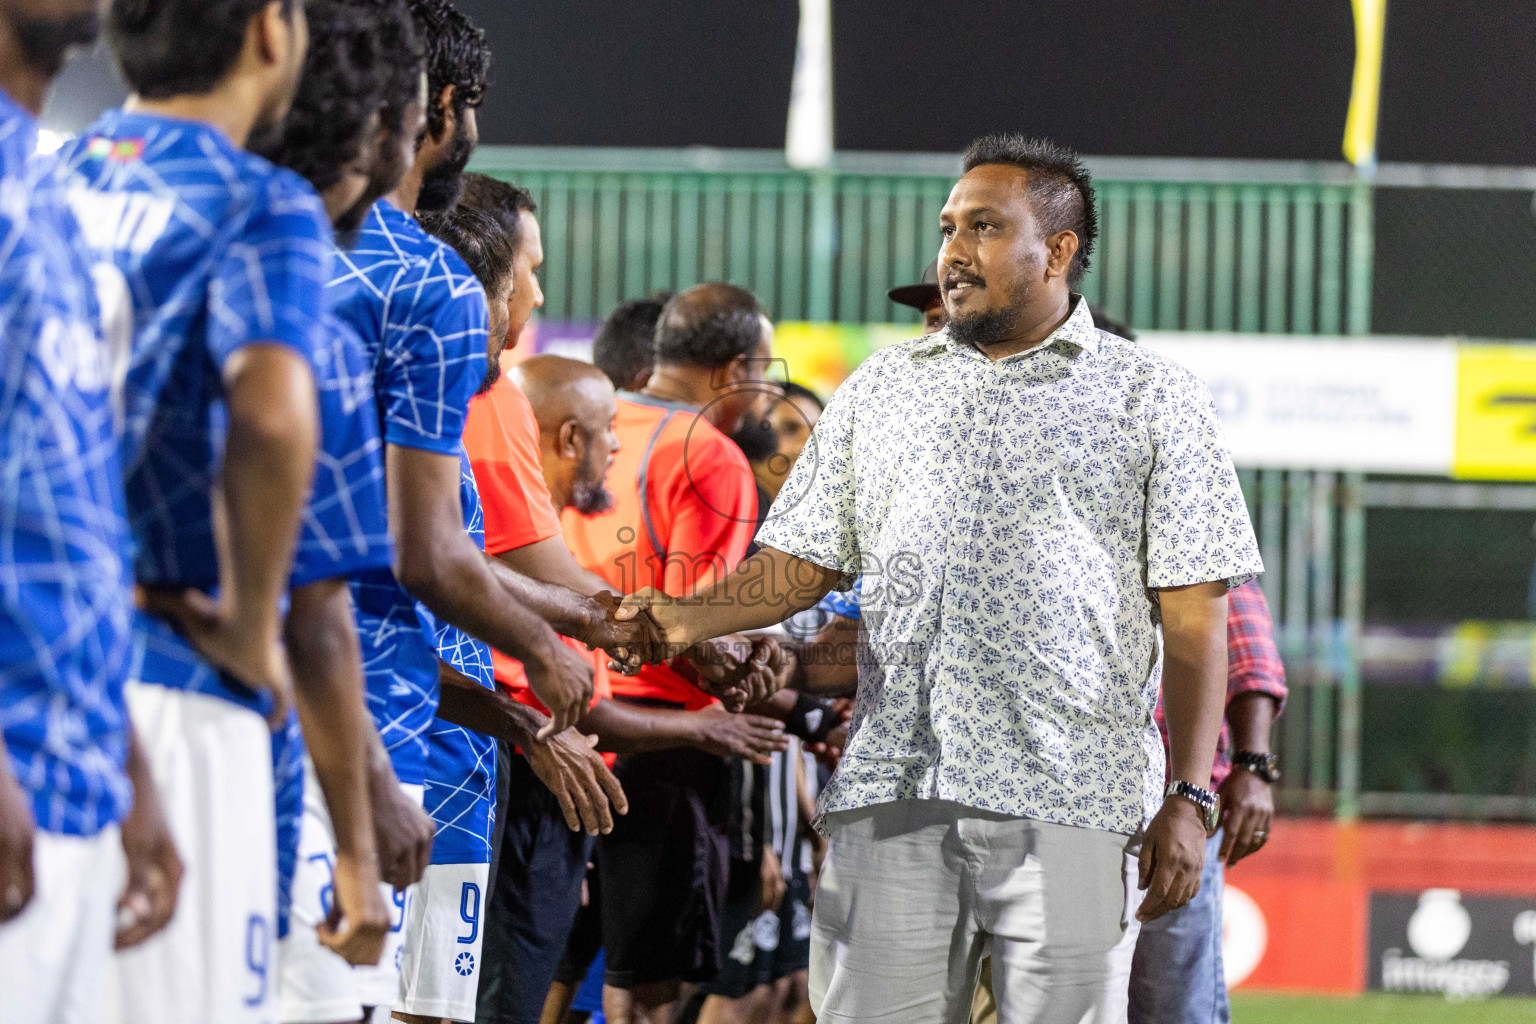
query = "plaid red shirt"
{"x": 1253, "y": 666}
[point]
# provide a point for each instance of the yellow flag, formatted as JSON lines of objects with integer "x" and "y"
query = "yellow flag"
{"x": 1365, "y": 96}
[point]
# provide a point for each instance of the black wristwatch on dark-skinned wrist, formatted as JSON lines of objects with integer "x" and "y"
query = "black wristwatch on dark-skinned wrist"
{"x": 1265, "y": 766}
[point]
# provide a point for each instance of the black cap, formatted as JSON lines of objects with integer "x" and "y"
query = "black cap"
{"x": 919, "y": 296}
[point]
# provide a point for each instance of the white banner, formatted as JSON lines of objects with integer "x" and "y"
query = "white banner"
{"x": 1385, "y": 405}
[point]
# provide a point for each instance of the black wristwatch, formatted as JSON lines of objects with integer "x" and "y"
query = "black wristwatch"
{"x": 1265, "y": 766}
{"x": 1208, "y": 803}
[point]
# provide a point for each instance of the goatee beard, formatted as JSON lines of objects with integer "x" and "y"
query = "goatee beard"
{"x": 591, "y": 499}
{"x": 442, "y": 185}
{"x": 492, "y": 376}
{"x": 979, "y": 330}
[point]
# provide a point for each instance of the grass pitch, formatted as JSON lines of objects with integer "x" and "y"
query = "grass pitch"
{"x": 1375, "y": 1008}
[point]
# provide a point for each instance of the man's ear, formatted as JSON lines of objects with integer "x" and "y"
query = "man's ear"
{"x": 449, "y": 120}
{"x": 265, "y": 31}
{"x": 1059, "y": 250}
{"x": 737, "y": 371}
{"x": 565, "y": 441}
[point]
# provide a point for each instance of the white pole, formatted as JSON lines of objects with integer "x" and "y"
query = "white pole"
{"x": 808, "y": 140}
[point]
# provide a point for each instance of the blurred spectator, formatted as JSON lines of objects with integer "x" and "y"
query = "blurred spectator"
{"x": 924, "y": 297}
{"x": 625, "y": 345}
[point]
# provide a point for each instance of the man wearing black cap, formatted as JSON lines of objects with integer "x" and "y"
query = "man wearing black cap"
{"x": 925, "y": 298}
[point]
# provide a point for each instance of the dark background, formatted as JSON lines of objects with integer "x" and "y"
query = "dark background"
{"x": 1126, "y": 78}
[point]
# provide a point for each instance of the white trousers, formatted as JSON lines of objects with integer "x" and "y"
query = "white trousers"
{"x": 915, "y": 892}
{"x": 54, "y": 955}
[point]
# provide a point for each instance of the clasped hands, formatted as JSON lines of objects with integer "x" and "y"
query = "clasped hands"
{"x": 646, "y": 628}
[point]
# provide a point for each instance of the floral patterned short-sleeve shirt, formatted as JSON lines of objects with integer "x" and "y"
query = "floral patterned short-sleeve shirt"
{"x": 1011, "y": 520}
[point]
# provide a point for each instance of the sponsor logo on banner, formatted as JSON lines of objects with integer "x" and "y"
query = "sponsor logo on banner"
{"x": 1377, "y": 404}
{"x": 1496, "y": 412}
{"x": 1460, "y": 947}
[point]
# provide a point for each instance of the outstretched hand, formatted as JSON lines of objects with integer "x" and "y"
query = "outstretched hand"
{"x": 562, "y": 680}
{"x": 582, "y": 784}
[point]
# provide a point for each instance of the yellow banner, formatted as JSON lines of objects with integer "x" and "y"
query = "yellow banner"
{"x": 1496, "y": 412}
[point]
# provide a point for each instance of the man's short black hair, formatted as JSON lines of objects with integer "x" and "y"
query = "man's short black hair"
{"x": 625, "y": 344}
{"x": 709, "y": 325}
{"x": 485, "y": 227}
{"x": 168, "y": 48}
{"x": 1060, "y": 189}
{"x": 793, "y": 390}
{"x": 395, "y": 26}
{"x": 457, "y": 55}
{"x": 347, "y": 75}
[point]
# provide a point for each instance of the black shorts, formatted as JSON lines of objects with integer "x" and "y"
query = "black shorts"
{"x": 586, "y": 939}
{"x": 761, "y": 948}
{"x": 534, "y": 896}
{"x": 664, "y": 869}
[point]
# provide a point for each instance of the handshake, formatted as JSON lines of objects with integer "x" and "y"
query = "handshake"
{"x": 646, "y": 628}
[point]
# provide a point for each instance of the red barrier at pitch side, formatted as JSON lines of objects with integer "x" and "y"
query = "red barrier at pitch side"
{"x": 1396, "y": 907}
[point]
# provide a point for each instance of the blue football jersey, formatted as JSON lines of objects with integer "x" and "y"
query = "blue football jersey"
{"x": 346, "y": 526}
{"x": 220, "y": 250}
{"x": 460, "y": 792}
{"x": 65, "y": 584}
{"x": 421, "y": 316}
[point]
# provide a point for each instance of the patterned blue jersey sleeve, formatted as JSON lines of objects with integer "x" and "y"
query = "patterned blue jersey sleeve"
{"x": 431, "y": 357}
{"x": 269, "y": 284}
{"x": 346, "y": 525}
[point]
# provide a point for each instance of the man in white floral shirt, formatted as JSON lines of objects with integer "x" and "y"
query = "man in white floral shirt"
{"x": 1047, "y": 522}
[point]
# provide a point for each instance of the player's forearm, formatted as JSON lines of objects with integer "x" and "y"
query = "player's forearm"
{"x": 551, "y": 561}
{"x": 328, "y": 688}
{"x": 764, "y": 590}
{"x": 1194, "y": 677}
{"x": 624, "y": 729}
{"x": 491, "y": 713}
{"x": 455, "y": 581}
{"x": 1250, "y": 717}
{"x": 567, "y": 612}
{"x": 269, "y": 463}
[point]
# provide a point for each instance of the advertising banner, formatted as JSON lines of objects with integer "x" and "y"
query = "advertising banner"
{"x": 1463, "y": 947}
{"x": 1426, "y": 406}
{"x": 1385, "y": 405}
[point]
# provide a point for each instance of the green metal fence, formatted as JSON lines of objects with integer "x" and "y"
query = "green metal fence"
{"x": 1184, "y": 245}
{"x": 1288, "y": 253}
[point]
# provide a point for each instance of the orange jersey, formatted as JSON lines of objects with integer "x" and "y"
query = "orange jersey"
{"x": 685, "y": 510}
{"x": 501, "y": 436}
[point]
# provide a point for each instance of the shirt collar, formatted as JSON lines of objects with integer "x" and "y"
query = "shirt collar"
{"x": 1076, "y": 334}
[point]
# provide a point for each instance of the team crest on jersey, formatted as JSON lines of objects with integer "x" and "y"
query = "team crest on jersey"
{"x": 121, "y": 150}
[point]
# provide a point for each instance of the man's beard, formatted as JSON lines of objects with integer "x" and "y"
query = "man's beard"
{"x": 47, "y": 42}
{"x": 267, "y": 137}
{"x": 756, "y": 438}
{"x": 349, "y": 226}
{"x": 588, "y": 495}
{"x": 442, "y": 185}
{"x": 492, "y": 376}
{"x": 979, "y": 330}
